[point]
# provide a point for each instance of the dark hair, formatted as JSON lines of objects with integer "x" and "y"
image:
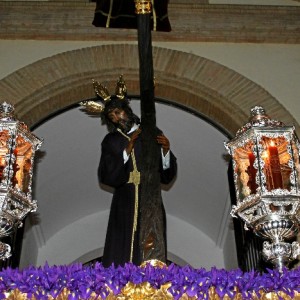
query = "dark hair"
{"x": 123, "y": 104}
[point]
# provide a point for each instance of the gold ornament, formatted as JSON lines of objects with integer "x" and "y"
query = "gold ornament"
{"x": 154, "y": 263}
{"x": 121, "y": 89}
{"x": 16, "y": 295}
{"x": 142, "y": 7}
{"x": 101, "y": 90}
{"x": 92, "y": 106}
{"x": 144, "y": 291}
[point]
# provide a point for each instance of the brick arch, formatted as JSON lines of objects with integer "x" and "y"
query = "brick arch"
{"x": 221, "y": 94}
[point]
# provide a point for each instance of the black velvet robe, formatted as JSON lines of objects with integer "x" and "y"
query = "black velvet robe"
{"x": 113, "y": 172}
{"x": 121, "y": 14}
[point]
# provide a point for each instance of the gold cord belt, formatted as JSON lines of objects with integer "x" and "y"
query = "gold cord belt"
{"x": 135, "y": 178}
{"x": 109, "y": 13}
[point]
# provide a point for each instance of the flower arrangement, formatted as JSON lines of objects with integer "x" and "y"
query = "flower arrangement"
{"x": 76, "y": 281}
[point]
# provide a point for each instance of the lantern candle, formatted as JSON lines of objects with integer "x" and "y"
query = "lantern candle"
{"x": 16, "y": 168}
{"x": 275, "y": 166}
{"x": 251, "y": 173}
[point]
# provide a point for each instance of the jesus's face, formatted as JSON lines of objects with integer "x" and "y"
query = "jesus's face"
{"x": 119, "y": 117}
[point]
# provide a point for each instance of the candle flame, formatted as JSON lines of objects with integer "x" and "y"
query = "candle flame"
{"x": 265, "y": 155}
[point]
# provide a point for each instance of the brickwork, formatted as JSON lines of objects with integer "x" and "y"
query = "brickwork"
{"x": 52, "y": 84}
{"x": 190, "y": 20}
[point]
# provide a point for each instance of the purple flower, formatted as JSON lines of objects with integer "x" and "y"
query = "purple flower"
{"x": 82, "y": 281}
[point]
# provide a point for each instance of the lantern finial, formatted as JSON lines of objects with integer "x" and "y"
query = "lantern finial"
{"x": 6, "y": 111}
{"x": 257, "y": 111}
{"x": 258, "y": 118}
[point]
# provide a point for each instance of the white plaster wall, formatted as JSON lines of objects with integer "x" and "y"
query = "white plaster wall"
{"x": 275, "y": 67}
{"x": 190, "y": 244}
{"x": 77, "y": 239}
{"x": 15, "y": 54}
{"x": 30, "y": 247}
{"x": 229, "y": 253}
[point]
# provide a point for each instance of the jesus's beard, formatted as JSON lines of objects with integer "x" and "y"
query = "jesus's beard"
{"x": 125, "y": 125}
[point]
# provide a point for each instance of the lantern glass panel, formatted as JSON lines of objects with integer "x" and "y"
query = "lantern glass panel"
{"x": 276, "y": 160}
{"x": 22, "y": 166}
{"x": 296, "y": 162}
{"x": 246, "y": 170}
{"x": 4, "y": 149}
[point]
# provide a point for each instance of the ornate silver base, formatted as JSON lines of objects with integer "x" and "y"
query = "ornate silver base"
{"x": 276, "y": 220}
{"x": 5, "y": 251}
{"x": 280, "y": 254}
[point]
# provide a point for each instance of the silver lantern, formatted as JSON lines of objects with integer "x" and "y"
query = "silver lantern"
{"x": 17, "y": 150}
{"x": 265, "y": 155}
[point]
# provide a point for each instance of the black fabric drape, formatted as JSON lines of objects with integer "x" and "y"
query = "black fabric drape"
{"x": 121, "y": 14}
